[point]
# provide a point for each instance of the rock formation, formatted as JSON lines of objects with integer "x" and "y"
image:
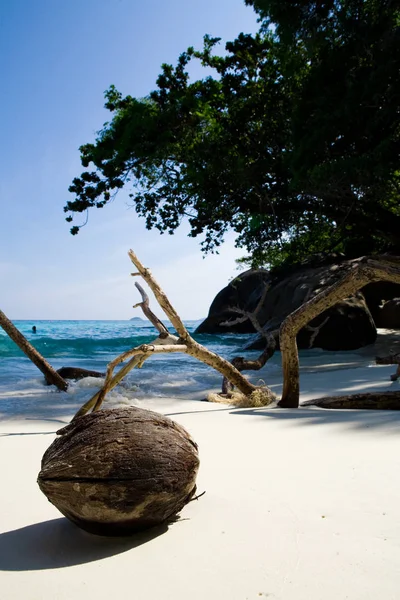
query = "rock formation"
{"x": 346, "y": 326}
{"x": 389, "y": 315}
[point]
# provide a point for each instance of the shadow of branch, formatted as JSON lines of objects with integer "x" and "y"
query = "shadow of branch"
{"x": 389, "y": 420}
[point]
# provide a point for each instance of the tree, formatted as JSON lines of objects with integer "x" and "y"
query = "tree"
{"x": 345, "y": 126}
{"x": 293, "y": 143}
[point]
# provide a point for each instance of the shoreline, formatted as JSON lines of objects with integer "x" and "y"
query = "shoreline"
{"x": 350, "y": 372}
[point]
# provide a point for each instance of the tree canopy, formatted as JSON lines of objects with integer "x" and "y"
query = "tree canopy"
{"x": 293, "y": 142}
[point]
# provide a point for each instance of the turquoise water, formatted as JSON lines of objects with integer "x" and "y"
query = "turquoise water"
{"x": 93, "y": 344}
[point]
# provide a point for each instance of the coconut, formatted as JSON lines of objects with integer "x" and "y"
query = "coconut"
{"x": 115, "y": 472}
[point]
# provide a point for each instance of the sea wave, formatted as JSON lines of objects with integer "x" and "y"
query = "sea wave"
{"x": 74, "y": 347}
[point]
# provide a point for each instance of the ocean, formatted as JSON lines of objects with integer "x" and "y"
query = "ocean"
{"x": 92, "y": 345}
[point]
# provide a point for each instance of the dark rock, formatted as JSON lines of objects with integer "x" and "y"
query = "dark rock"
{"x": 389, "y": 315}
{"x": 376, "y": 293}
{"x": 114, "y": 472}
{"x": 346, "y": 326}
{"x": 76, "y": 373}
{"x": 243, "y": 292}
{"x": 349, "y": 326}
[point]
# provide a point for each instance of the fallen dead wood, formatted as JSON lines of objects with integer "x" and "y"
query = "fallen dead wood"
{"x": 167, "y": 342}
{"x": 145, "y": 306}
{"x": 244, "y": 364}
{"x": 371, "y": 401}
{"x": 193, "y": 348}
{"x": 359, "y": 272}
{"x": 51, "y": 375}
{"x": 137, "y": 357}
{"x": 271, "y": 341}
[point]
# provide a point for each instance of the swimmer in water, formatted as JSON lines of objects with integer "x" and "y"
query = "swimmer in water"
{"x": 34, "y": 329}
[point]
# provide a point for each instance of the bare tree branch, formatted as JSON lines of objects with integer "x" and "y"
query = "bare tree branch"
{"x": 315, "y": 331}
{"x": 145, "y": 306}
{"x": 137, "y": 355}
{"x": 193, "y": 348}
{"x": 358, "y": 273}
{"x": 50, "y": 374}
{"x": 271, "y": 338}
{"x": 243, "y": 364}
{"x": 166, "y": 342}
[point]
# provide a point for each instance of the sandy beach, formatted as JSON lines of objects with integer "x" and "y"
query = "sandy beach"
{"x": 187, "y": 189}
{"x": 298, "y": 505}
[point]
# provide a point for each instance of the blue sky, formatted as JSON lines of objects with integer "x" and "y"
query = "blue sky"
{"x": 56, "y": 60}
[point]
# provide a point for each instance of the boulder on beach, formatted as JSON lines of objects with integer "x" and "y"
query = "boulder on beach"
{"x": 389, "y": 315}
{"x": 378, "y": 292}
{"x": 346, "y": 326}
{"x": 242, "y": 292}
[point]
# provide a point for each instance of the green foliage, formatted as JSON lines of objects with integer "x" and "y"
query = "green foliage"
{"x": 293, "y": 142}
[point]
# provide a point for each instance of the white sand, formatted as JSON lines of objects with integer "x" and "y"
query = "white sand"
{"x": 299, "y": 505}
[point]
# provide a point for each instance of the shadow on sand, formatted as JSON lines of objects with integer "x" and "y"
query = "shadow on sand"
{"x": 389, "y": 420}
{"x": 58, "y": 543}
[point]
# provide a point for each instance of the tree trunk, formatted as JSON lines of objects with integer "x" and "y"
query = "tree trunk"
{"x": 52, "y": 377}
{"x": 298, "y": 319}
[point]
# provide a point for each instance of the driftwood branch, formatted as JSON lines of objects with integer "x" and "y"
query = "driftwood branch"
{"x": 315, "y": 331}
{"x": 248, "y": 315}
{"x": 244, "y": 364}
{"x": 159, "y": 295}
{"x": 241, "y": 363}
{"x": 166, "y": 342}
{"x": 359, "y": 272}
{"x": 51, "y": 375}
{"x": 145, "y": 306}
{"x": 193, "y": 348}
{"x": 136, "y": 355}
{"x": 236, "y": 321}
{"x": 370, "y": 400}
